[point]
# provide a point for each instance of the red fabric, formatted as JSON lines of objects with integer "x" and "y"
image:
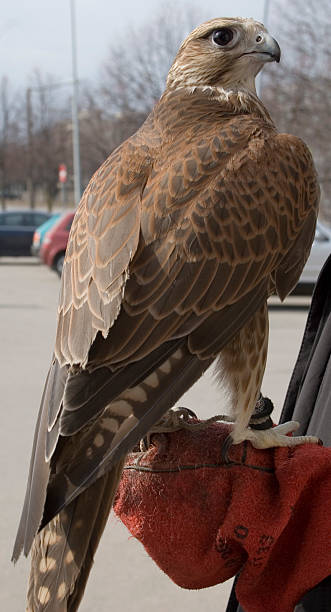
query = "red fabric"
{"x": 266, "y": 515}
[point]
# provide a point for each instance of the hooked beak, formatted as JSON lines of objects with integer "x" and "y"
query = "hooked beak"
{"x": 266, "y": 47}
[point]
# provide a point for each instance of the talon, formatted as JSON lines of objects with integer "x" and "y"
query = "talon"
{"x": 145, "y": 443}
{"x": 225, "y": 449}
{"x": 277, "y": 436}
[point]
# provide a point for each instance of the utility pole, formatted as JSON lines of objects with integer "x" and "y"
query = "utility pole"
{"x": 266, "y": 12}
{"x": 75, "y": 120}
{"x": 30, "y": 156}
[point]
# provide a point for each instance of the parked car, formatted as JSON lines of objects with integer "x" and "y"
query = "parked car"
{"x": 17, "y": 229}
{"x": 320, "y": 250}
{"x": 53, "y": 249}
{"x": 40, "y": 233}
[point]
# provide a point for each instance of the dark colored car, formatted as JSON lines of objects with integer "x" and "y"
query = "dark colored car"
{"x": 17, "y": 229}
{"x": 53, "y": 248}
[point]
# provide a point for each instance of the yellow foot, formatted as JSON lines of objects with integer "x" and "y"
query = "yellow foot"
{"x": 275, "y": 436}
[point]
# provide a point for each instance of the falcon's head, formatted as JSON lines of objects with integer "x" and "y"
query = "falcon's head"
{"x": 224, "y": 52}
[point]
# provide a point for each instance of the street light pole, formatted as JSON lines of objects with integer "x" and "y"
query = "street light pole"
{"x": 75, "y": 121}
{"x": 266, "y": 12}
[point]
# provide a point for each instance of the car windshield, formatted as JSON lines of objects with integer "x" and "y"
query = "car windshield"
{"x": 14, "y": 218}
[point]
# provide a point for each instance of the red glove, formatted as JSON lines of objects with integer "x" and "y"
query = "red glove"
{"x": 265, "y": 515}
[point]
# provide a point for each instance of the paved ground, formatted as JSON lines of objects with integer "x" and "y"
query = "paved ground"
{"x": 124, "y": 578}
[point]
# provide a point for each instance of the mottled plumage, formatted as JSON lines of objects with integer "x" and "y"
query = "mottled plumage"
{"x": 179, "y": 239}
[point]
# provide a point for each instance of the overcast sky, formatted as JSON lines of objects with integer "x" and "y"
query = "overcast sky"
{"x": 36, "y": 33}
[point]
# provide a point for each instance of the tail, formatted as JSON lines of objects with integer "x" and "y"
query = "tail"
{"x": 86, "y": 470}
{"x": 63, "y": 552}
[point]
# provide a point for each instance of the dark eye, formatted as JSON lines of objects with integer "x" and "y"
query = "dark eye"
{"x": 222, "y": 37}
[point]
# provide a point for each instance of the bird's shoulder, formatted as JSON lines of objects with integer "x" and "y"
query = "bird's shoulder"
{"x": 203, "y": 143}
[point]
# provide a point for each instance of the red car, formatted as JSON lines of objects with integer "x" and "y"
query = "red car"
{"x": 55, "y": 243}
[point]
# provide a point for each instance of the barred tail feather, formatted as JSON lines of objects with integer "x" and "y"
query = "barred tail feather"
{"x": 63, "y": 552}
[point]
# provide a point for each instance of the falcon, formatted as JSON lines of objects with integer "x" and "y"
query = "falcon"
{"x": 179, "y": 239}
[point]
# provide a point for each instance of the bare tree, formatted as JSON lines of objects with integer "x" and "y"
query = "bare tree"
{"x": 298, "y": 92}
{"x": 9, "y": 140}
{"x": 47, "y": 136}
{"x": 101, "y": 132}
{"x": 4, "y": 137}
{"x": 135, "y": 72}
{"x": 132, "y": 79}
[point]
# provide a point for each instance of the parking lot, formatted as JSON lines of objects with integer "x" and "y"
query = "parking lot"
{"x": 123, "y": 578}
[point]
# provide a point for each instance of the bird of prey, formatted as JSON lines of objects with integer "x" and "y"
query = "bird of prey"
{"x": 179, "y": 239}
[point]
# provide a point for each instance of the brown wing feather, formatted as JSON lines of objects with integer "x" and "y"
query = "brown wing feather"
{"x": 103, "y": 240}
{"x": 244, "y": 225}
